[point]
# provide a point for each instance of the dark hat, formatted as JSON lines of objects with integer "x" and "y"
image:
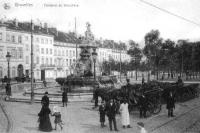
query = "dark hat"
{"x": 46, "y": 92}
{"x": 141, "y": 124}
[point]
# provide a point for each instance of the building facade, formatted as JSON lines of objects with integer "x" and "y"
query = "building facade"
{"x": 54, "y": 52}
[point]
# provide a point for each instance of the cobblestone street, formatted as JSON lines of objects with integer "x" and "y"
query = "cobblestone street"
{"x": 79, "y": 117}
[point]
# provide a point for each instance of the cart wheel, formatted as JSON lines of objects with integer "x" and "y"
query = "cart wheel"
{"x": 185, "y": 97}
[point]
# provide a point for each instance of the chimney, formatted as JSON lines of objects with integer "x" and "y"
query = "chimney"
{"x": 46, "y": 27}
{"x": 16, "y": 22}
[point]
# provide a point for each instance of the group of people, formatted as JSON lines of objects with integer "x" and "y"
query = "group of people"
{"x": 110, "y": 109}
{"x": 45, "y": 112}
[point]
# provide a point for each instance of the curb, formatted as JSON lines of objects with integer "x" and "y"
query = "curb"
{"x": 9, "y": 125}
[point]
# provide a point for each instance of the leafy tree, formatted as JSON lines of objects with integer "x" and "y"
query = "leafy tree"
{"x": 153, "y": 43}
{"x": 136, "y": 54}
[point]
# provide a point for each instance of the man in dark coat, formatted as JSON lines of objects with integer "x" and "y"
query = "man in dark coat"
{"x": 111, "y": 110}
{"x": 45, "y": 99}
{"x": 170, "y": 104}
{"x": 142, "y": 105}
{"x": 64, "y": 97}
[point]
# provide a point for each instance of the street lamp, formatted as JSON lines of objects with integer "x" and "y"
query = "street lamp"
{"x": 8, "y": 87}
{"x": 94, "y": 56}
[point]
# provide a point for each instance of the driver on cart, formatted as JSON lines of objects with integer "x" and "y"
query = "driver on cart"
{"x": 179, "y": 81}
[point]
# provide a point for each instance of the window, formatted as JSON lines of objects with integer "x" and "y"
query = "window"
{"x": 42, "y": 60}
{"x": 42, "y": 50}
{"x": 14, "y": 53}
{"x": 47, "y": 61}
{"x": 37, "y": 48}
{"x": 50, "y": 61}
{"x": 63, "y": 53}
{"x": 38, "y": 73}
{"x": 70, "y": 62}
{"x": 0, "y": 36}
{"x": 73, "y": 60}
{"x": 67, "y": 62}
{"x": 1, "y": 53}
{"x": 73, "y": 53}
{"x": 13, "y": 72}
{"x": 8, "y": 37}
{"x": 19, "y": 39}
{"x": 20, "y": 51}
{"x": 47, "y": 51}
{"x": 27, "y": 47}
{"x": 59, "y": 52}
{"x": 37, "y": 39}
{"x": 26, "y": 38}
{"x": 50, "y": 51}
{"x": 42, "y": 41}
{"x": 55, "y": 61}
{"x": 66, "y": 52}
{"x": 50, "y": 41}
{"x": 70, "y": 53}
{"x": 1, "y": 72}
{"x": 13, "y": 38}
{"x": 38, "y": 60}
{"x": 55, "y": 52}
{"x": 27, "y": 60}
{"x": 46, "y": 41}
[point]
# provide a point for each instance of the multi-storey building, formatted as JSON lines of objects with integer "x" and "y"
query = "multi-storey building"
{"x": 54, "y": 51}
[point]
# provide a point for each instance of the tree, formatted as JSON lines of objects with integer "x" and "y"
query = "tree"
{"x": 136, "y": 54}
{"x": 152, "y": 48}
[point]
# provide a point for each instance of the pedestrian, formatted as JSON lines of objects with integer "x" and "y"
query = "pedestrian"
{"x": 57, "y": 115}
{"x": 64, "y": 97}
{"x": 142, "y": 79}
{"x": 141, "y": 127}
{"x": 44, "y": 120}
{"x": 125, "y": 114}
{"x": 45, "y": 83}
{"x": 111, "y": 110}
{"x": 45, "y": 99}
{"x": 142, "y": 105}
{"x": 170, "y": 104}
{"x": 102, "y": 113}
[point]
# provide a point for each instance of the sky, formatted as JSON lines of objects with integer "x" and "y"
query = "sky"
{"x": 119, "y": 20}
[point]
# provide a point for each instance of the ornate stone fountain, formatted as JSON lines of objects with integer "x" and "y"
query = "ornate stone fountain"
{"x": 85, "y": 64}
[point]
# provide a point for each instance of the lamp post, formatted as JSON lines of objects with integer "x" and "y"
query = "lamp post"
{"x": 8, "y": 87}
{"x": 94, "y": 56}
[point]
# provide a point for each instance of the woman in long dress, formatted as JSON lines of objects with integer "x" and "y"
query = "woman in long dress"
{"x": 44, "y": 120}
{"x": 125, "y": 114}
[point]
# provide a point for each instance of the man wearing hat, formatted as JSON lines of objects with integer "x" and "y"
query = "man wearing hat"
{"x": 45, "y": 99}
{"x": 111, "y": 110}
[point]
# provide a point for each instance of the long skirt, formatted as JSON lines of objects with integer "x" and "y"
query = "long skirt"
{"x": 45, "y": 124}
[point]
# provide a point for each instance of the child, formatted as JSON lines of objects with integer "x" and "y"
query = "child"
{"x": 102, "y": 113}
{"x": 57, "y": 117}
{"x": 141, "y": 126}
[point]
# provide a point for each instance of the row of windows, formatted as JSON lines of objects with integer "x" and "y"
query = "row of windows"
{"x": 13, "y": 72}
{"x": 16, "y": 53}
{"x": 43, "y": 40}
{"x": 69, "y": 53}
{"x": 48, "y": 51}
{"x": 12, "y": 38}
{"x": 18, "y": 39}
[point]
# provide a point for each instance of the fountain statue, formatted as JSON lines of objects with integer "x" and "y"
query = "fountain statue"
{"x": 85, "y": 64}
